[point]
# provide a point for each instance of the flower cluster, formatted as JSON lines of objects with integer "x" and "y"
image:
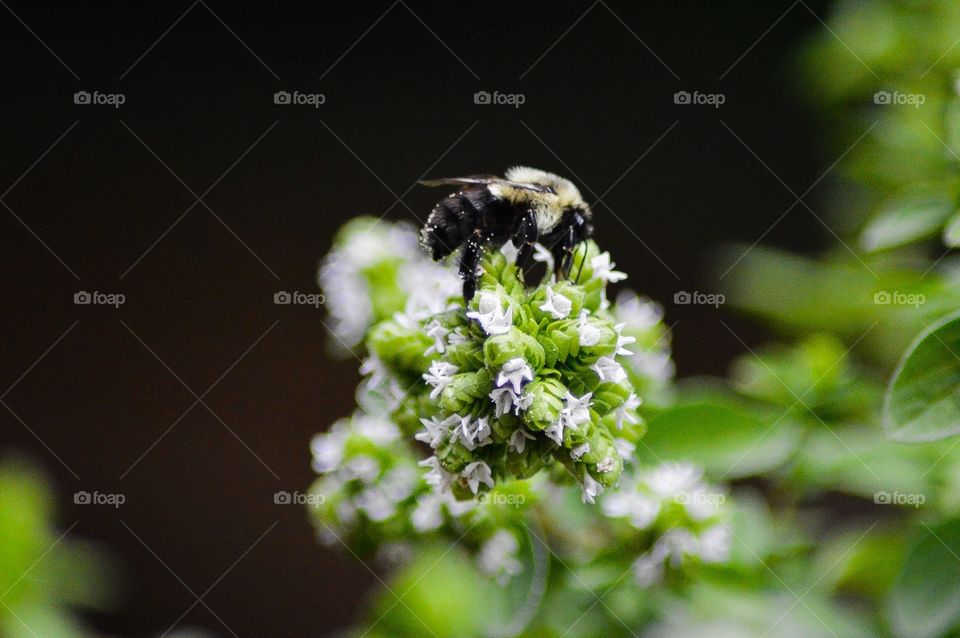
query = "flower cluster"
{"x": 467, "y": 413}
{"x": 687, "y": 516}
{"x": 517, "y": 382}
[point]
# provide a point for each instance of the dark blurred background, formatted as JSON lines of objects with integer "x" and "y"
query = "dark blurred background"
{"x": 196, "y": 399}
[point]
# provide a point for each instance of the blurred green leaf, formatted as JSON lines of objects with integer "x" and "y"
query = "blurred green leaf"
{"x": 724, "y": 441}
{"x": 916, "y": 213}
{"x": 923, "y": 400}
{"x": 925, "y": 599}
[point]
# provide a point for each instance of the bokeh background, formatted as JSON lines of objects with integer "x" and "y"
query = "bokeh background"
{"x": 196, "y": 399}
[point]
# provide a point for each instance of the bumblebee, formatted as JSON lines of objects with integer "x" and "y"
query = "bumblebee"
{"x": 526, "y": 206}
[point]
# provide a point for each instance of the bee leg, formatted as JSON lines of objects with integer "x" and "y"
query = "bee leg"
{"x": 563, "y": 254}
{"x": 469, "y": 263}
{"x": 525, "y": 238}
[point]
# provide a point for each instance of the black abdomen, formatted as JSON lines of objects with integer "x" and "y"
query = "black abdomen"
{"x": 455, "y": 218}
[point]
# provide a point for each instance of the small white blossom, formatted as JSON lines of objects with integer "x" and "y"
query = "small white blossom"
{"x": 440, "y": 375}
{"x": 498, "y": 557}
{"x": 629, "y": 503}
{"x": 509, "y": 250}
{"x": 505, "y": 399}
{"x": 670, "y": 479}
{"x": 647, "y": 571}
{"x": 491, "y": 315}
{"x": 579, "y": 451}
{"x": 376, "y": 429}
{"x": 361, "y": 467}
{"x": 603, "y": 269}
{"x": 436, "y": 430}
{"x": 638, "y": 312}
{"x": 474, "y": 433}
{"x": 375, "y": 503}
{"x": 589, "y": 333}
{"x": 623, "y": 340}
{"x": 606, "y": 465}
{"x": 608, "y": 369}
{"x": 437, "y": 477}
{"x": 436, "y": 331}
{"x": 542, "y": 255}
{"x": 328, "y": 448}
{"x": 590, "y": 488}
{"x": 554, "y": 431}
{"x": 624, "y": 448}
{"x": 515, "y": 372}
{"x": 476, "y": 473}
{"x": 557, "y": 306}
{"x": 625, "y": 412}
{"x": 715, "y": 544}
{"x": 518, "y": 440}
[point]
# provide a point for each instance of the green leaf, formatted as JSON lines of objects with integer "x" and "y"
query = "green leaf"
{"x": 923, "y": 400}
{"x": 915, "y": 214}
{"x": 724, "y": 441}
{"x": 925, "y": 599}
{"x": 951, "y": 233}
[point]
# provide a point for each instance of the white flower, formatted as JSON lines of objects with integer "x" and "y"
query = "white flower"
{"x": 399, "y": 482}
{"x": 542, "y": 255}
{"x": 623, "y": 340}
{"x": 575, "y": 412}
{"x": 328, "y": 448}
{"x": 498, "y": 557}
{"x": 589, "y": 333}
{"x": 590, "y": 489}
{"x": 428, "y": 514}
{"x": 626, "y": 410}
{"x": 436, "y": 430}
{"x": 361, "y": 467}
{"x": 491, "y": 315}
{"x": 557, "y": 305}
{"x": 476, "y": 473}
{"x": 514, "y": 372}
{"x": 437, "y": 477}
{"x": 629, "y": 503}
{"x": 375, "y": 504}
{"x": 603, "y": 269}
{"x": 639, "y": 312}
{"x": 606, "y": 465}
{"x": 474, "y": 433}
{"x": 505, "y": 399}
{"x": 518, "y": 440}
{"x": 440, "y": 375}
{"x": 670, "y": 479}
{"x": 378, "y": 430}
{"x": 578, "y": 451}
{"x": 647, "y": 571}
{"x": 436, "y": 331}
{"x": 608, "y": 369}
{"x": 509, "y": 250}
{"x": 624, "y": 448}
{"x": 715, "y": 544}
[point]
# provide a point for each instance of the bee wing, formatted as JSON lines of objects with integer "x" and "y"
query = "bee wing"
{"x": 484, "y": 180}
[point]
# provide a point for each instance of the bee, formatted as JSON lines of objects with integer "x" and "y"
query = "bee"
{"x": 526, "y": 206}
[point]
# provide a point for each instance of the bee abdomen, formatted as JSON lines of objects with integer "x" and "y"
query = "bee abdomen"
{"x": 451, "y": 222}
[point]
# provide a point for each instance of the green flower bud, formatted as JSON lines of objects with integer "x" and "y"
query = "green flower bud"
{"x": 401, "y": 349}
{"x": 547, "y": 400}
{"x": 462, "y": 394}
